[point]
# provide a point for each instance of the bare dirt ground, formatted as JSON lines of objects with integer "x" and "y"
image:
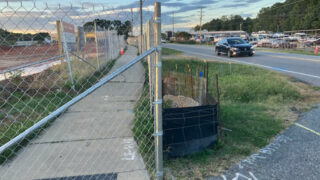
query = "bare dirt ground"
{"x": 15, "y": 56}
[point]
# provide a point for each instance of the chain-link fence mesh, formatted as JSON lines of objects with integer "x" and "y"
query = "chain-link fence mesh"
{"x": 54, "y": 55}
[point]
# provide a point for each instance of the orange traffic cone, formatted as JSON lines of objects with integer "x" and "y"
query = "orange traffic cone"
{"x": 122, "y": 51}
{"x": 316, "y": 50}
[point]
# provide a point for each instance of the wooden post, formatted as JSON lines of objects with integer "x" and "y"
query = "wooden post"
{"x": 169, "y": 68}
{"x": 177, "y": 80}
{"x": 207, "y": 77}
{"x": 185, "y": 76}
{"x": 198, "y": 78}
{"x": 191, "y": 83}
{"x": 177, "y": 70}
{"x": 60, "y": 45}
{"x": 218, "y": 108}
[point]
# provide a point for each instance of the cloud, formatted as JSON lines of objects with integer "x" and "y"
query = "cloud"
{"x": 234, "y": 5}
{"x": 79, "y": 13}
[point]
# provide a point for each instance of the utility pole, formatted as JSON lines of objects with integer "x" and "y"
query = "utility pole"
{"x": 200, "y": 25}
{"x": 131, "y": 22}
{"x": 172, "y": 23}
{"x": 141, "y": 27}
{"x": 240, "y": 26}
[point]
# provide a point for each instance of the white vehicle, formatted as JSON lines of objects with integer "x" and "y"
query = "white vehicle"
{"x": 163, "y": 41}
{"x": 301, "y": 36}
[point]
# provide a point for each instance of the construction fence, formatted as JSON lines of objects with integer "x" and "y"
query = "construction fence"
{"x": 75, "y": 100}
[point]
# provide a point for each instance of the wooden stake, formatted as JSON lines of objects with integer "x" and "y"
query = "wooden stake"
{"x": 207, "y": 78}
{"x": 168, "y": 68}
{"x": 192, "y": 94}
{"x": 198, "y": 78}
{"x": 185, "y": 76}
{"x": 218, "y": 108}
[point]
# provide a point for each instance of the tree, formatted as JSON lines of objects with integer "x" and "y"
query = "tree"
{"x": 121, "y": 28}
{"x": 164, "y": 36}
{"x": 183, "y": 35}
{"x": 289, "y": 15}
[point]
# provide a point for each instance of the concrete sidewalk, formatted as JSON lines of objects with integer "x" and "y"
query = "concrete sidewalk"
{"x": 92, "y": 138}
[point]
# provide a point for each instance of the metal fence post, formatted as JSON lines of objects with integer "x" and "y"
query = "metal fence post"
{"x": 149, "y": 65}
{"x": 97, "y": 46}
{"x": 158, "y": 94}
{"x": 105, "y": 44}
{"x": 65, "y": 49}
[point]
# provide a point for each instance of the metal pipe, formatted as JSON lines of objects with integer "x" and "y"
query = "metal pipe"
{"x": 66, "y": 52}
{"x": 158, "y": 94}
{"x": 73, "y": 101}
{"x": 97, "y": 46}
{"x": 83, "y": 60}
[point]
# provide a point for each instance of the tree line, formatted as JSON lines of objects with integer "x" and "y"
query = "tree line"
{"x": 286, "y": 16}
{"x": 122, "y": 28}
{"x": 8, "y": 38}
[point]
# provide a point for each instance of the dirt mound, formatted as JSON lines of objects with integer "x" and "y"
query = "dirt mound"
{"x": 180, "y": 101}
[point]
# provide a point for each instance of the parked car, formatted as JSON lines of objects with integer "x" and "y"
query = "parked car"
{"x": 163, "y": 41}
{"x": 234, "y": 47}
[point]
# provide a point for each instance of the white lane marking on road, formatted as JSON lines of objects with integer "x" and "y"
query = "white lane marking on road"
{"x": 308, "y": 129}
{"x": 295, "y": 58}
{"x": 259, "y": 65}
{"x": 193, "y": 46}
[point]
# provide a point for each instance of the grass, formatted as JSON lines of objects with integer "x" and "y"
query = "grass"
{"x": 290, "y": 51}
{"x": 168, "y": 51}
{"x": 255, "y": 104}
{"x": 32, "y": 99}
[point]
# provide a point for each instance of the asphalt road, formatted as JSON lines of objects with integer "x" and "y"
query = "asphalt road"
{"x": 295, "y": 153}
{"x": 303, "y": 67}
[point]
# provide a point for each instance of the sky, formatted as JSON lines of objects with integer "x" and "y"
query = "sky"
{"x": 34, "y": 15}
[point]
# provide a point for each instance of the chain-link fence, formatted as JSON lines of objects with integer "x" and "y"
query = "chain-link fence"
{"x": 75, "y": 100}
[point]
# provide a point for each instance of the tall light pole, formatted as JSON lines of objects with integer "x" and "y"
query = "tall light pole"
{"x": 200, "y": 25}
{"x": 141, "y": 27}
{"x": 131, "y": 22}
{"x": 172, "y": 23}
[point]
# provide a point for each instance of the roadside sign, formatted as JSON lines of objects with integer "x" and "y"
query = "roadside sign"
{"x": 68, "y": 31}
